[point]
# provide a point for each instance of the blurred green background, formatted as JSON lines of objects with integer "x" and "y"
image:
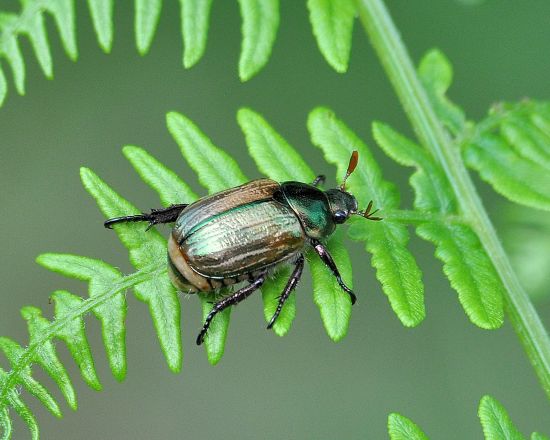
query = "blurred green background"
{"x": 303, "y": 385}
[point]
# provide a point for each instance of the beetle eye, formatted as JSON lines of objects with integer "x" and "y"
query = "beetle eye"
{"x": 340, "y": 216}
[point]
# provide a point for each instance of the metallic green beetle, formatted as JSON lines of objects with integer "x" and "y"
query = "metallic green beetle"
{"x": 243, "y": 233}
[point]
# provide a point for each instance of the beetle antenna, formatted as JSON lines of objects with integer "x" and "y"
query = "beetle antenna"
{"x": 351, "y": 167}
{"x": 368, "y": 214}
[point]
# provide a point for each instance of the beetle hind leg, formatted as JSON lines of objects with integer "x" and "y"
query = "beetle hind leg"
{"x": 290, "y": 286}
{"x": 233, "y": 299}
{"x": 155, "y": 217}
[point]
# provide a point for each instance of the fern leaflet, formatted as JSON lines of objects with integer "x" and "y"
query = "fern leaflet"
{"x": 332, "y": 23}
{"x": 495, "y": 421}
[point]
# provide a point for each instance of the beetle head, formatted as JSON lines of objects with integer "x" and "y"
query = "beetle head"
{"x": 342, "y": 203}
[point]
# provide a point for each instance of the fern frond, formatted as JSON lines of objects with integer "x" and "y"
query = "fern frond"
{"x": 395, "y": 267}
{"x": 331, "y": 20}
{"x": 495, "y": 421}
{"x": 510, "y": 148}
{"x": 30, "y": 22}
{"x": 511, "y": 151}
{"x": 112, "y": 314}
{"x": 466, "y": 263}
{"x": 107, "y": 303}
{"x": 144, "y": 249}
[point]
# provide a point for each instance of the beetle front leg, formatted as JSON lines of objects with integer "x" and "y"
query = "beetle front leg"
{"x": 290, "y": 286}
{"x": 327, "y": 259}
{"x": 233, "y": 299}
{"x": 157, "y": 216}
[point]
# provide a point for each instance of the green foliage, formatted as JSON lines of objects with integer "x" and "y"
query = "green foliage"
{"x": 402, "y": 428}
{"x": 145, "y": 23}
{"x": 102, "y": 18}
{"x": 259, "y": 29}
{"x": 194, "y": 28}
{"x": 466, "y": 263}
{"x": 436, "y": 73}
{"x": 510, "y": 148}
{"x": 332, "y": 22}
{"x": 145, "y": 250}
{"x": 495, "y": 421}
{"x": 386, "y": 241}
{"x": 106, "y": 301}
{"x": 511, "y": 151}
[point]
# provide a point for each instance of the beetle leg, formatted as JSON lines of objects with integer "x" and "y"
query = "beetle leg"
{"x": 327, "y": 259}
{"x": 233, "y": 299}
{"x": 290, "y": 285}
{"x": 157, "y": 216}
{"x": 319, "y": 180}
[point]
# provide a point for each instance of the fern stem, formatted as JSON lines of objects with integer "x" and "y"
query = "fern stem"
{"x": 87, "y": 306}
{"x": 414, "y": 217}
{"x": 401, "y": 72}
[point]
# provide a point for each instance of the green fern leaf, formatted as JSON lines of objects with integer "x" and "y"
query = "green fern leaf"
{"x": 511, "y": 151}
{"x": 145, "y": 249}
{"x": 527, "y": 183}
{"x": 466, "y": 263}
{"x": 278, "y": 160}
{"x": 64, "y": 16}
{"x": 194, "y": 28}
{"x": 30, "y": 22}
{"x": 74, "y": 336}
{"x": 201, "y": 155}
{"x": 169, "y": 187}
{"x": 402, "y": 428}
{"x": 10, "y": 50}
{"x": 495, "y": 421}
{"x": 106, "y": 286}
{"x": 112, "y": 314}
{"x": 25, "y": 413}
{"x": 260, "y": 21}
{"x": 102, "y": 18}
{"x": 386, "y": 241}
{"x": 5, "y": 422}
{"x": 332, "y": 22}
{"x": 46, "y": 357}
{"x": 14, "y": 352}
{"x": 436, "y": 73}
{"x": 537, "y": 436}
{"x": 147, "y": 13}
{"x": 35, "y": 29}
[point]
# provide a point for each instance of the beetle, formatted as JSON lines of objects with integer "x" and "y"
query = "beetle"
{"x": 242, "y": 234}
